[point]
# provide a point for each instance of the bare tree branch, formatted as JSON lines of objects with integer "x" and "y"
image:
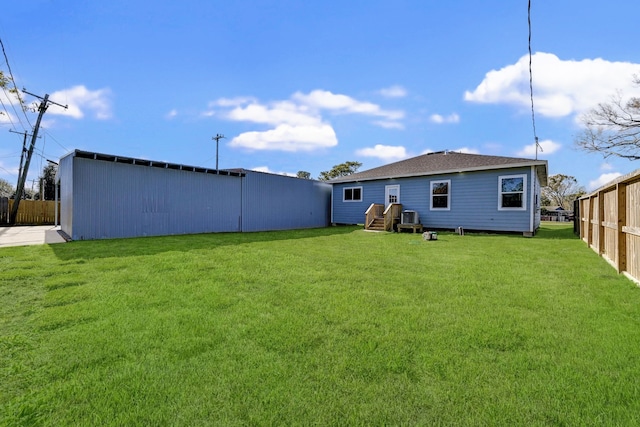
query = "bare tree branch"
{"x": 613, "y": 128}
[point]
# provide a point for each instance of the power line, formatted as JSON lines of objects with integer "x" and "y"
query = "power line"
{"x": 533, "y": 114}
{"x": 17, "y": 92}
{"x": 56, "y": 141}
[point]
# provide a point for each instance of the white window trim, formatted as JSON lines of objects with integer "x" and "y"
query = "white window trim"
{"x": 524, "y": 192}
{"x": 344, "y": 190}
{"x": 448, "y": 182}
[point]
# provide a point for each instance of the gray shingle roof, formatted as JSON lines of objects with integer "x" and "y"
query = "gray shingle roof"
{"x": 444, "y": 162}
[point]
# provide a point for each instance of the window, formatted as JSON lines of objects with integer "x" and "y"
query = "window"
{"x": 512, "y": 192}
{"x": 440, "y": 191}
{"x": 352, "y": 194}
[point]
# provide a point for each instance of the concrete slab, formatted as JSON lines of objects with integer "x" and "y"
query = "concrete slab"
{"x": 30, "y": 235}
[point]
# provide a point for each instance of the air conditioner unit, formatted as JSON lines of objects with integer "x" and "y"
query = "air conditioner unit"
{"x": 410, "y": 217}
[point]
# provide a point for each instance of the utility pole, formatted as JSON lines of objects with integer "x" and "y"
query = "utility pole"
{"x": 218, "y": 137}
{"x": 24, "y": 149}
{"x": 42, "y": 108}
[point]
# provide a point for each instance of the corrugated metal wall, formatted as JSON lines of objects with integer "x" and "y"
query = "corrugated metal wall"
{"x": 65, "y": 174}
{"x": 110, "y": 199}
{"x": 276, "y": 202}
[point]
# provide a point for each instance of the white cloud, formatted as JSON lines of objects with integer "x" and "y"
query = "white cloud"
{"x": 286, "y": 137}
{"x": 606, "y": 166}
{"x": 451, "y": 118}
{"x": 427, "y": 151}
{"x": 548, "y": 147}
{"x": 322, "y": 99}
{"x": 279, "y": 113}
{"x": 467, "y": 150}
{"x": 602, "y": 180}
{"x": 7, "y": 113}
{"x": 560, "y": 87}
{"x": 384, "y": 152}
{"x": 79, "y": 100}
{"x": 267, "y": 170}
{"x": 6, "y": 117}
{"x": 395, "y": 91}
{"x": 171, "y": 114}
{"x": 232, "y": 102}
{"x": 389, "y": 125}
{"x": 297, "y": 124}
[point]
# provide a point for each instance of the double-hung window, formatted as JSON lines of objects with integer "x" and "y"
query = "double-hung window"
{"x": 512, "y": 192}
{"x": 352, "y": 194}
{"x": 440, "y": 194}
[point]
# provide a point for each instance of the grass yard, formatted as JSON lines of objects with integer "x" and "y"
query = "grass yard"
{"x": 332, "y": 326}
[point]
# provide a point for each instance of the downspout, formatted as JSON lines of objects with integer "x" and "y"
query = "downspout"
{"x": 242, "y": 182}
{"x": 532, "y": 200}
{"x": 331, "y": 206}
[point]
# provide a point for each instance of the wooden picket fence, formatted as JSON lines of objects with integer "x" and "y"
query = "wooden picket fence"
{"x": 30, "y": 212}
{"x": 610, "y": 223}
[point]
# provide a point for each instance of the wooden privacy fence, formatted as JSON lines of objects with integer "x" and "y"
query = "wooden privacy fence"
{"x": 30, "y": 212}
{"x": 610, "y": 223}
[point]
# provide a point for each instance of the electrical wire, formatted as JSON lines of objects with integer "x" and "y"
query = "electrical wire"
{"x": 56, "y": 141}
{"x": 6, "y": 112}
{"x": 533, "y": 114}
{"x": 17, "y": 92}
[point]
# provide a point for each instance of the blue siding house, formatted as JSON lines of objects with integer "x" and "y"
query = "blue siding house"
{"x": 447, "y": 190}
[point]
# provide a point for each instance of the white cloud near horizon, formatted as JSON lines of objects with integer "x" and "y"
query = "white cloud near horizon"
{"x": 81, "y": 101}
{"x": 384, "y": 152}
{"x": 466, "y": 150}
{"x": 266, "y": 169}
{"x": 548, "y": 147}
{"x": 560, "y": 87}
{"x": 603, "y": 179}
{"x": 395, "y": 91}
{"x": 440, "y": 119}
{"x": 296, "y": 124}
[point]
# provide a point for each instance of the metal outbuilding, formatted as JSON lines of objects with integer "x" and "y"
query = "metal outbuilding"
{"x": 105, "y": 196}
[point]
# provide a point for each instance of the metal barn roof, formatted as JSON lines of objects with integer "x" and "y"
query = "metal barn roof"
{"x": 150, "y": 163}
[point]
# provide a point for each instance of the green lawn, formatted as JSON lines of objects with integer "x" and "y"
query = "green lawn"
{"x": 332, "y": 326}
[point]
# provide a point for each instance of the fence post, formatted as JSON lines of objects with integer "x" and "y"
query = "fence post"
{"x": 600, "y": 222}
{"x": 621, "y": 195}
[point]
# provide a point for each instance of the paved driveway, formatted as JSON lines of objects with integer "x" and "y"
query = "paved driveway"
{"x": 29, "y": 235}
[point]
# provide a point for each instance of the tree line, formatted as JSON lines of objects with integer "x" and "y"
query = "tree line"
{"x": 46, "y": 186}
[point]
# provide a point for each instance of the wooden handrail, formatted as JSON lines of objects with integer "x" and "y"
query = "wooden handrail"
{"x": 374, "y": 211}
{"x": 392, "y": 215}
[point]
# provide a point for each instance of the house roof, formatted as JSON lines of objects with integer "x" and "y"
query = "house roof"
{"x": 442, "y": 162}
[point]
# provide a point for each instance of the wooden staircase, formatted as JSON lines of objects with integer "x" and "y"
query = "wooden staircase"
{"x": 377, "y": 224}
{"x": 377, "y": 218}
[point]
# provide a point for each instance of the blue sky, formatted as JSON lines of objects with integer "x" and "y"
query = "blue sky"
{"x": 305, "y": 85}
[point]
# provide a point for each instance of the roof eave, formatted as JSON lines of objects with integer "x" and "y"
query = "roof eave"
{"x": 448, "y": 171}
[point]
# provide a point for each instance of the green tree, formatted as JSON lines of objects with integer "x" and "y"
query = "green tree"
{"x": 613, "y": 128}
{"x": 303, "y": 175}
{"x": 48, "y": 181}
{"x": 343, "y": 169}
{"x": 562, "y": 190}
{"x": 6, "y": 189}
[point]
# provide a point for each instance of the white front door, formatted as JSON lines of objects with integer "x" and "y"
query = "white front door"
{"x": 391, "y": 195}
